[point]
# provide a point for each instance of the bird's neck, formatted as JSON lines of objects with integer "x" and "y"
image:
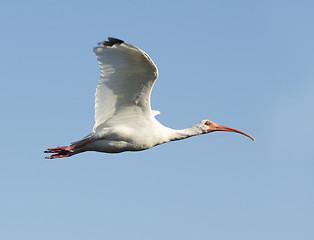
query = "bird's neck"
{"x": 185, "y": 133}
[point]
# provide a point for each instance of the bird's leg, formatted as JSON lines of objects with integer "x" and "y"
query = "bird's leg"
{"x": 64, "y": 151}
{"x": 61, "y": 153}
{"x": 67, "y": 151}
{"x": 60, "y": 149}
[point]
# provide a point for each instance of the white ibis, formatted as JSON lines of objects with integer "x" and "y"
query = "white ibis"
{"x": 124, "y": 120}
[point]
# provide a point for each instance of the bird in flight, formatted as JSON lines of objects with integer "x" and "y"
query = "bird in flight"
{"x": 124, "y": 120}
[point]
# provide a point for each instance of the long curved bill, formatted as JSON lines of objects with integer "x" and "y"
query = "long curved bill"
{"x": 229, "y": 129}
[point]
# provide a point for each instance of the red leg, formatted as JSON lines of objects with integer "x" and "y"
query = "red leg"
{"x": 61, "y": 153}
{"x": 60, "y": 149}
{"x": 67, "y": 151}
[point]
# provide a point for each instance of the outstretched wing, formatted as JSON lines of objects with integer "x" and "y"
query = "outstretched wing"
{"x": 127, "y": 78}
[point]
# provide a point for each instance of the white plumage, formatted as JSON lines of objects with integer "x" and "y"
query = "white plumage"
{"x": 124, "y": 120}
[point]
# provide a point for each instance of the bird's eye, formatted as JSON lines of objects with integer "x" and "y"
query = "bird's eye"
{"x": 208, "y": 123}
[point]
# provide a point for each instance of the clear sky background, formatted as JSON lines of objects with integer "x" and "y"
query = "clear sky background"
{"x": 244, "y": 64}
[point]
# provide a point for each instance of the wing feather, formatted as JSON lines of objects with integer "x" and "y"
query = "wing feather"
{"x": 127, "y": 78}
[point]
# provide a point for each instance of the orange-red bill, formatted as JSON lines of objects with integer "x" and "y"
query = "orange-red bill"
{"x": 229, "y": 129}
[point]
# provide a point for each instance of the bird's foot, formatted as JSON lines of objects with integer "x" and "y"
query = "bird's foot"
{"x": 59, "y": 149}
{"x": 68, "y": 151}
{"x": 64, "y": 151}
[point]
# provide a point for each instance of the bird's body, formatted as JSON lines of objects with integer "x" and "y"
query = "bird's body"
{"x": 124, "y": 120}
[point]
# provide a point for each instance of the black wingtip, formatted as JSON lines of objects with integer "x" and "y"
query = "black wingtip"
{"x": 112, "y": 41}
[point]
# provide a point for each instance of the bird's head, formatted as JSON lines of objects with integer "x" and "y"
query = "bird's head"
{"x": 210, "y": 126}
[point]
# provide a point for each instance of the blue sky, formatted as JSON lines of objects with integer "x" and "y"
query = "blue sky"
{"x": 243, "y": 64}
